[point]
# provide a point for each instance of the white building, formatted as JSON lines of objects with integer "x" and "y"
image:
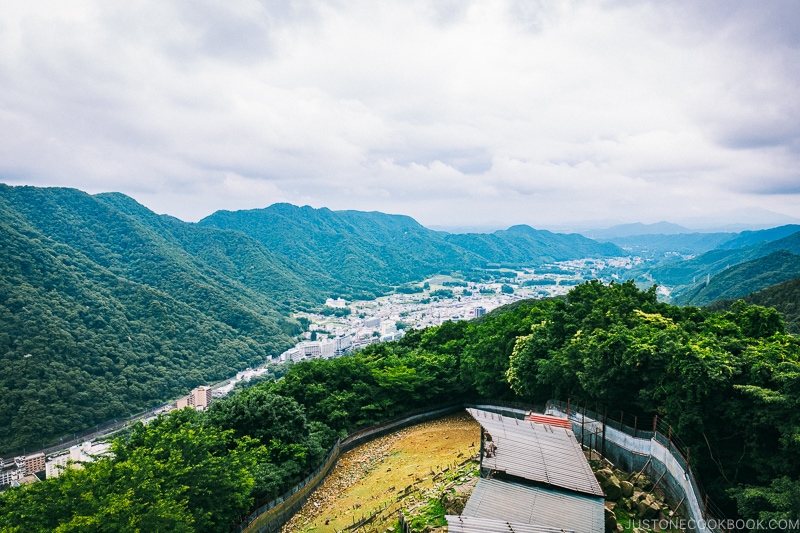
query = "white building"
{"x": 85, "y": 453}
{"x": 388, "y": 327}
{"x": 372, "y": 322}
{"x": 337, "y": 303}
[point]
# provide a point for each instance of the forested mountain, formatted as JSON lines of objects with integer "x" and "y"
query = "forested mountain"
{"x": 726, "y": 383}
{"x": 785, "y": 297}
{"x": 745, "y": 278}
{"x": 685, "y": 275}
{"x": 103, "y": 316}
{"x": 366, "y": 253}
{"x": 523, "y": 246}
{"x": 751, "y": 238}
{"x": 370, "y": 252}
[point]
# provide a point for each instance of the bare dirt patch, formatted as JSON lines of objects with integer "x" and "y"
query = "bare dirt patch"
{"x": 400, "y": 470}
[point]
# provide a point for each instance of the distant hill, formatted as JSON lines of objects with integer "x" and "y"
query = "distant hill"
{"x": 684, "y": 275}
{"x": 365, "y": 253}
{"x": 659, "y": 246}
{"x": 751, "y": 238}
{"x": 523, "y": 245}
{"x": 637, "y": 228}
{"x": 785, "y": 297}
{"x": 368, "y": 253}
{"x": 746, "y": 278}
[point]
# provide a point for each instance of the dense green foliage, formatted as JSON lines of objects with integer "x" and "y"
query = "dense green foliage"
{"x": 747, "y": 277}
{"x": 116, "y": 317}
{"x": 784, "y": 297}
{"x": 727, "y": 381}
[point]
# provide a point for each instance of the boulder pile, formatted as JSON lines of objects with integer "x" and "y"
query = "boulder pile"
{"x": 632, "y": 494}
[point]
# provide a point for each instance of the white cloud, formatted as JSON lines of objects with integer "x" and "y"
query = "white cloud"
{"x": 454, "y": 113}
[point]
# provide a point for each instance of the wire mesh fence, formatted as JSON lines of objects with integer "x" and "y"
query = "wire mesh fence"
{"x": 593, "y": 434}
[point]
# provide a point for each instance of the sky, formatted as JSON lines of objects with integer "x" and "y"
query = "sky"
{"x": 458, "y": 113}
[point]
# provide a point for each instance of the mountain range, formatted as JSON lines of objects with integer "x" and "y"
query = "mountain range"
{"x": 108, "y": 308}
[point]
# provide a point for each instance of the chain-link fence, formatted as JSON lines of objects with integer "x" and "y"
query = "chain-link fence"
{"x": 648, "y": 446}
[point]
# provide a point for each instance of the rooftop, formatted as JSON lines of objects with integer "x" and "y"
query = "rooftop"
{"x": 537, "y": 452}
{"x": 544, "y": 508}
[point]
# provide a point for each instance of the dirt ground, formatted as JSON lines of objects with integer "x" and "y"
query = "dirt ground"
{"x": 389, "y": 473}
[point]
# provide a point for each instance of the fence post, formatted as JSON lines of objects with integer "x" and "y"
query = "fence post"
{"x": 583, "y": 424}
{"x": 605, "y": 419}
{"x": 655, "y": 425}
{"x": 669, "y": 439}
{"x": 635, "y": 420}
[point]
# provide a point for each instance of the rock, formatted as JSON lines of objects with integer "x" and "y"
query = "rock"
{"x": 638, "y": 496}
{"x": 611, "y": 521}
{"x": 611, "y": 487}
{"x": 647, "y": 508}
{"x": 610, "y": 505}
{"x": 626, "y": 504}
{"x": 620, "y": 529}
{"x": 627, "y": 488}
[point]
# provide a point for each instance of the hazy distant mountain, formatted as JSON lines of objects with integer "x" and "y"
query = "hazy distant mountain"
{"x": 747, "y": 219}
{"x": 750, "y": 238}
{"x": 660, "y": 246}
{"x": 684, "y": 275}
{"x": 637, "y": 228}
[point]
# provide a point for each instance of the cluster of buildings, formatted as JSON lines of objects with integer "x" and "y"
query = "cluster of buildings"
{"x": 320, "y": 349}
{"x": 32, "y": 468}
{"x": 21, "y": 469}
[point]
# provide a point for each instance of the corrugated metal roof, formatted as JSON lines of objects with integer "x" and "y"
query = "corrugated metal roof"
{"x": 550, "y": 420}
{"x": 469, "y": 524}
{"x": 511, "y": 502}
{"x": 537, "y": 452}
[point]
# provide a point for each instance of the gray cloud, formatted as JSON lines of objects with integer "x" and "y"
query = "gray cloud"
{"x": 452, "y": 112}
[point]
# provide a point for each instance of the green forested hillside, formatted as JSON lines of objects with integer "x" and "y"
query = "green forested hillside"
{"x": 112, "y": 316}
{"x": 658, "y": 246}
{"x": 684, "y": 275}
{"x": 747, "y": 277}
{"x": 725, "y": 381}
{"x": 523, "y": 245}
{"x": 370, "y": 252}
{"x": 785, "y": 297}
{"x": 366, "y": 253}
{"x": 758, "y": 237}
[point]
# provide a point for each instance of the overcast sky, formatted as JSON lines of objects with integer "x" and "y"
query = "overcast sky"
{"x": 454, "y": 112}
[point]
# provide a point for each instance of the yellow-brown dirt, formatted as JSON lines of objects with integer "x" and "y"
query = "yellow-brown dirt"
{"x": 377, "y": 474}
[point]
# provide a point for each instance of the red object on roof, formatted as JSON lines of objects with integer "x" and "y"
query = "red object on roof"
{"x": 550, "y": 420}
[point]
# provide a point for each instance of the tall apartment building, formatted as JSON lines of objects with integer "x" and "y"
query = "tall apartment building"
{"x": 199, "y": 398}
{"x": 30, "y": 464}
